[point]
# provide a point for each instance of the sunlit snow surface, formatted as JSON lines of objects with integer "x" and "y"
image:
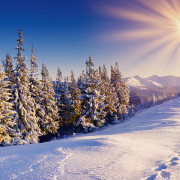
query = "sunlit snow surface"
{"x": 144, "y": 147}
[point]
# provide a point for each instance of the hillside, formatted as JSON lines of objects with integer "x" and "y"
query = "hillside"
{"x": 144, "y": 147}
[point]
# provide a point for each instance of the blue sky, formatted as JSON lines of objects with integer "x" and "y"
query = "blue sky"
{"x": 66, "y": 32}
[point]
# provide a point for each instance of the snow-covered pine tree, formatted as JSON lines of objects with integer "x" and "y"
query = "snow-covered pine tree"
{"x": 160, "y": 99}
{"x": 36, "y": 89}
{"x": 75, "y": 102}
{"x": 7, "y": 114}
{"x": 101, "y": 71}
{"x": 81, "y": 81}
{"x": 8, "y": 69}
{"x": 93, "y": 106}
{"x": 108, "y": 92}
{"x": 121, "y": 90}
{"x": 33, "y": 72}
{"x": 154, "y": 99}
{"x": 58, "y": 84}
{"x": 50, "y": 121}
{"x": 115, "y": 97}
{"x": 26, "y": 121}
{"x": 64, "y": 106}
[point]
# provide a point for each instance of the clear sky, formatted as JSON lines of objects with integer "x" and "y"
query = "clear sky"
{"x": 142, "y": 36}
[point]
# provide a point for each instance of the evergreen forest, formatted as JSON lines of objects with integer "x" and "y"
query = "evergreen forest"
{"x": 34, "y": 109}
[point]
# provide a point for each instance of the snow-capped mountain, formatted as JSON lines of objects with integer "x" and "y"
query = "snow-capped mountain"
{"x": 153, "y": 81}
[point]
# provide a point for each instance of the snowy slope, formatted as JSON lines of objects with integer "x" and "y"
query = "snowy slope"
{"x": 144, "y": 147}
{"x": 147, "y": 82}
{"x": 140, "y": 82}
{"x": 133, "y": 82}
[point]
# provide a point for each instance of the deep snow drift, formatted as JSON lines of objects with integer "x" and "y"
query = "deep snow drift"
{"x": 144, "y": 147}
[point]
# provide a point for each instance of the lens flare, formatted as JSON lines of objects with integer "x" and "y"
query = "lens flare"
{"x": 156, "y": 25}
{"x": 178, "y": 28}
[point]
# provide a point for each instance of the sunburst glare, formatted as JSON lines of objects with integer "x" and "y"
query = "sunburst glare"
{"x": 155, "y": 26}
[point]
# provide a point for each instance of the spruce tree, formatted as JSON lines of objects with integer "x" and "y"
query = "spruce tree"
{"x": 110, "y": 96}
{"x": 27, "y": 126}
{"x": 93, "y": 114}
{"x": 50, "y": 120}
{"x": 8, "y": 69}
{"x": 7, "y": 115}
{"x": 121, "y": 90}
{"x": 36, "y": 89}
{"x": 58, "y": 84}
{"x": 64, "y": 105}
{"x": 81, "y": 81}
{"x": 35, "y": 85}
{"x": 75, "y": 106}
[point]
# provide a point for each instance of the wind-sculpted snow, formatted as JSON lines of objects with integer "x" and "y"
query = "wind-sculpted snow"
{"x": 145, "y": 147}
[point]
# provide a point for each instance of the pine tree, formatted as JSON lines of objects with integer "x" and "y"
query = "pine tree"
{"x": 154, "y": 99}
{"x": 36, "y": 89}
{"x": 64, "y": 105}
{"x": 110, "y": 96}
{"x": 114, "y": 92}
{"x": 93, "y": 113}
{"x": 81, "y": 81}
{"x": 58, "y": 84}
{"x": 7, "y": 115}
{"x": 121, "y": 90}
{"x": 50, "y": 121}
{"x": 26, "y": 120}
{"x": 75, "y": 101}
{"x": 35, "y": 85}
{"x": 8, "y": 69}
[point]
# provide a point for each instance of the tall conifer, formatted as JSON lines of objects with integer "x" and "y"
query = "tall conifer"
{"x": 7, "y": 114}
{"x": 36, "y": 89}
{"x": 24, "y": 104}
{"x": 75, "y": 106}
{"x": 121, "y": 90}
{"x": 50, "y": 121}
{"x": 93, "y": 113}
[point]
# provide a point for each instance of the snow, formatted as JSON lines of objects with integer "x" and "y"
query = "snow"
{"x": 145, "y": 147}
{"x": 152, "y": 81}
{"x": 140, "y": 82}
{"x": 155, "y": 83}
{"x": 133, "y": 82}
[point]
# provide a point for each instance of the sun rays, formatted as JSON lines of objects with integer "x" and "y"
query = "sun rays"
{"x": 156, "y": 27}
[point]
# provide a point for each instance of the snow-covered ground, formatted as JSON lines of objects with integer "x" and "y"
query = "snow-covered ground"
{"x": 146, "y": 146}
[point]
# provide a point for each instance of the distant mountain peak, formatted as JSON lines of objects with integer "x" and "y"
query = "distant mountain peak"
{"x": 154, "y": 81}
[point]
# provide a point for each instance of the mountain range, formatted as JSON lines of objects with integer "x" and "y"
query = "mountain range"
{"x": 152, "y": 82}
